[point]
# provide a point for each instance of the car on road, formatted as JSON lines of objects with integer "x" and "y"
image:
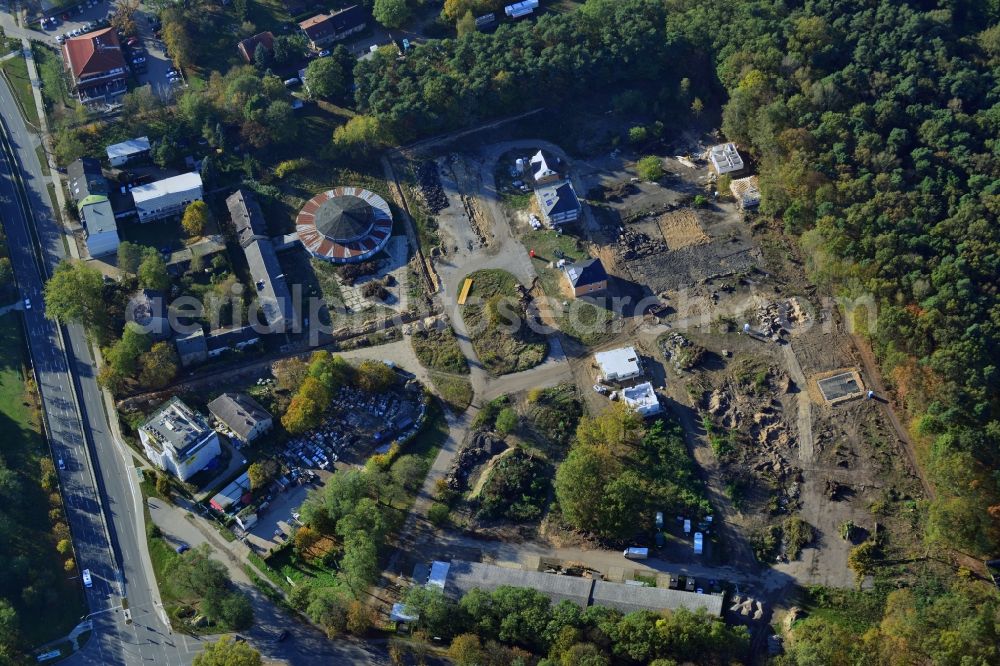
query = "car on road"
{"x": 27, "y": 304}
{"x": 62, "y": 464}
{"x": 87, "y": 580}
{"x": 292, "y": 82}
{"x": 183, "y": 548}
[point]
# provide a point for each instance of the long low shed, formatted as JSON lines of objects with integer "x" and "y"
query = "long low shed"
{"x": 466, "y": 576}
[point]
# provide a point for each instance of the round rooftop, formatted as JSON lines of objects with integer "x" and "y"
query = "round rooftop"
{"x": 345, "y": 224}
{"x": 345, "y": 218}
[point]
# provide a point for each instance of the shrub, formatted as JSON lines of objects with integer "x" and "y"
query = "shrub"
{"x": 650, "y": 168}
{"x": 438, "y": 514}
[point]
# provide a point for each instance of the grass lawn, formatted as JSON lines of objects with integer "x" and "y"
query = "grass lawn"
{"x": 456, "y": 391}
{"x": 52, "y": 602}
{"x": 585, "y": 320}
{"x": 16, "y": 70}
{"x": 496, "y": 322}
{"x": 438, "y": 350}
{"x": 55, "y": 94}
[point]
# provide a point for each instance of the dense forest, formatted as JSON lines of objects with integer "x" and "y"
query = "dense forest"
{"x": 874, "y": 125}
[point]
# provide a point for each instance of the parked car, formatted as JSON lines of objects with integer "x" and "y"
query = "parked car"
{"x": 62, "y": 464}
{"x": 324, "y": 53}
{"x": 132, "y": 41}
{"x": 292, "y": 82}
{"x": 61, "y": 39}
{"x": 27, "y": 304}
{"x": 689, "y": 584}
{"x": 87, "y": 580}
{"x": 138, "y": 60}
{"x": 183, "y": 548}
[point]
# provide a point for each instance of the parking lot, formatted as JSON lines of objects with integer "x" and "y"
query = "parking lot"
{"x": 94, "y": 17}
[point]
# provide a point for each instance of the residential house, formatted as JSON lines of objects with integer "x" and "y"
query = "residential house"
{"x": 642, "y": 398}
{"x": 586, "y": 277}
{"x": 544, "y": 168}
{"x": 86, "y": 178}
{"x": 619, "y": 365}
{"x": 273, "y": 297}
{"x": 222, "y": 340}
{"x": 122, "y": 153}
{"x": 98, "y": 221}
{"x": 324, "y": 29}
{"x": 243, "y": 415}
{"x": 192, "y": 348}
{"x": 463, "y": 577}
{"x": 96, "y": 66}
{"x": 178, "y": 439}
{"x": 725, "y": 158}
{"x": 248, "y": 47}
{"x": 558, "y": 203}
{"x": 167, "y": 197}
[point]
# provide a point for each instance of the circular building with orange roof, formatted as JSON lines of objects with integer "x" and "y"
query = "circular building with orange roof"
{"x": 344, "y": 225}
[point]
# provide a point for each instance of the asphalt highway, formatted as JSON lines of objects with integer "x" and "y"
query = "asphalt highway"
{"x": 100, "y": 490}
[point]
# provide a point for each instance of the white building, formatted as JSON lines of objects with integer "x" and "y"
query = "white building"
{"x": 642, "y": 398}
{"x": 619, "y": 365}
{"x": 122, "y": 153}
{"x": 725, "y": 158}
{"x": 178, "y": 439}
{"x": 99, "y": 221}
{"x": 166, "y": 197}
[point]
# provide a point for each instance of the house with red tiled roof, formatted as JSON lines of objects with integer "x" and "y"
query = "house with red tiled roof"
{"x": 96, "y": 65}
{"x": 325, "y": 29}
{"x": 248, "y": 47}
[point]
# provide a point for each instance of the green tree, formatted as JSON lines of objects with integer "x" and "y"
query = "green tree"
{"x": 130, "y": 256}
{"x": 158, "y": 366}
{"x": 650, "y": 168}
{"x": 227, "y": 651}
{"x": 409, "y": 471}
{"x": 196, "y": 218}
{"x": 437, "y": 615}
{"x": 153, "y": 273}
{"x": 359, "y": 136}
{"x": 391, "y": 13}
{"x": 506, "y": 421}
{"x": 163, "y": 485}
{"x": 466, "y": 24}
{"x": 75, "y": 293}
{"x": 467, "y": 650}
{"x": 6, "y": 272}
{"x": 374, "y": 376}
{"x": 359, "y": 565}
{"x": 326, "y": 78}
{"x": 580, "y": 486}
{"x": 638, "y": 134}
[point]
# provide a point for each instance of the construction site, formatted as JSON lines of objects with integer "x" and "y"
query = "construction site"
{"x": 788, "y": 430}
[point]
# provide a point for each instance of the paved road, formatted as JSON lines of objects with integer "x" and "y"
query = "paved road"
{"x": 99, "y": 488}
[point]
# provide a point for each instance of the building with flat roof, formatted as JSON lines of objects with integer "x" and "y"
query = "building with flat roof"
{"x": 167, "y": 197}
{"x": 725, "y": 158}
{"x": 619, "y": 365}
{"x": 462, "y": 577}
{"x": 126, "y": 151}
{"x": 98, "y": 221}
{"x": 178, "y": 439}
{"x": 642, "y": 398}
{"x": 243, "y": 415}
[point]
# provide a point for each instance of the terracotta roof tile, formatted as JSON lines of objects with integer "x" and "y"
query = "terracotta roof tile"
{"x": 94, "y": 53}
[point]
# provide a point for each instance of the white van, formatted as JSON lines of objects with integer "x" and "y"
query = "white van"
{"x": 634, "y": 553}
